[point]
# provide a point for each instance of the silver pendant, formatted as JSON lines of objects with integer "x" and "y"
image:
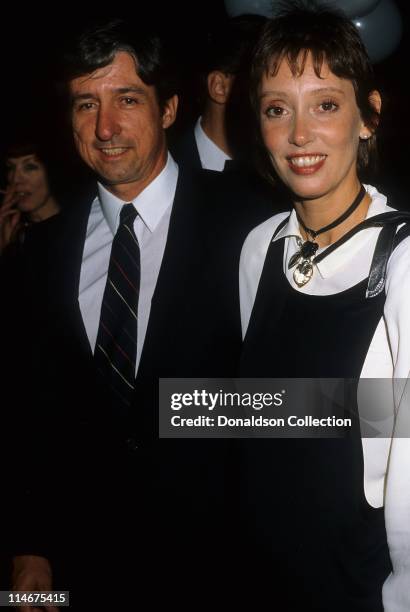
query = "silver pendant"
{"x": 303, "y": 273}
{"x": 306, "y": 252}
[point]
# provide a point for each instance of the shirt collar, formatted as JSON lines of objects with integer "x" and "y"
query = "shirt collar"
{"x": 212, "y": 157}
{"x": 151, "y": 204}
{"x": 342, "y": 254}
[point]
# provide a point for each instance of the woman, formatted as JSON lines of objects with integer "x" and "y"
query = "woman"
{"x": 28, "y": 197}
{"x": 325, "y": 293}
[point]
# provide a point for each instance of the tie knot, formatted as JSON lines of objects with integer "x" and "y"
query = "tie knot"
{"x": 128, "y": 214}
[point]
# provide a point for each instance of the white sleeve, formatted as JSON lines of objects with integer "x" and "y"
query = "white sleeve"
{"x": 397, "y": 308}
{"x": 251, "y": 264}
{"x": 396, "y": 590}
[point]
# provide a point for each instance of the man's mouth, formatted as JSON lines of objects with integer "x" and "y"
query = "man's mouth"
{"x": 114, "y": 151}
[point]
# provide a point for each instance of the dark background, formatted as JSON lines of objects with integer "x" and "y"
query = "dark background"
{"x": 31, "y": 42}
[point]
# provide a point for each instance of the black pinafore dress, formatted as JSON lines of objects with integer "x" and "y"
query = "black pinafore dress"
{"x": 313, "y": 542}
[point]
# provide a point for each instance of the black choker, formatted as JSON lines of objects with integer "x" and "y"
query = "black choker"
{"x": 303, "y": 258}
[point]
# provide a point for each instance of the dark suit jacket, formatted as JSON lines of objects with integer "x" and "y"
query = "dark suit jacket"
{"x": 185, "y": 151}
{"x": 98, "y": 484}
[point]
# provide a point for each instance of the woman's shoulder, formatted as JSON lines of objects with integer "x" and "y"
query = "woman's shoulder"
{"x": 398, "y": 275}
{"x": 399, "y": 261}
{"x": 257, "y": 242}
{"x": 259, "y": 238}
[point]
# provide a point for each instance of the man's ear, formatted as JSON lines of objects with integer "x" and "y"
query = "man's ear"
{"x": 169, "y": 112}
{"x": 219, "y": 86}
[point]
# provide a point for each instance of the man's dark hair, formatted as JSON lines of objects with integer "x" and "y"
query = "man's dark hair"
{"x": 228, "y": 48}
{"x": 97, "y": 46}
{"x": 329, "y": 37}
{"x": 230, "y": 43}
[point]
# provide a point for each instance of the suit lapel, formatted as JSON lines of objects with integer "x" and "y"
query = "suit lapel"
{"x": 178, "y": 269}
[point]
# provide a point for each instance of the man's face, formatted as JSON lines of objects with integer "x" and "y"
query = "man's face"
{"x": 118, "y": 126}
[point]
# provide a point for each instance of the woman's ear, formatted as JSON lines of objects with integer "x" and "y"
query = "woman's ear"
{"x": 376, "y": 103}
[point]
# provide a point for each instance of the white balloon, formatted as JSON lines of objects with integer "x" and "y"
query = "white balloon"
{"x": 242, "y": 7}
{"x": 380, "y": 30}
{"x": 354, "y": 8}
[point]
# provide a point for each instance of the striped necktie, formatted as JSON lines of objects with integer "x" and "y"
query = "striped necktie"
{"x": 116, "y": 346}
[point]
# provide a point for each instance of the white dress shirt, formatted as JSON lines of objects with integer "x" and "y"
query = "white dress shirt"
{"x": 153, "y": 206}
{"x": 211, "y": 156}
{"x": 386, "y": 460}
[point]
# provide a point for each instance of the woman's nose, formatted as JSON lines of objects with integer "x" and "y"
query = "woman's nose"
{"x": 301, "y": 132}
{"x": 14, "y": 176}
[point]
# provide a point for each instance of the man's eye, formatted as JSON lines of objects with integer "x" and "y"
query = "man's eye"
{"x": 30, "y": 167}
{"x": 274, "y": 111}
{"x": 85, "y": 106}
{"x": 128, "y": 101}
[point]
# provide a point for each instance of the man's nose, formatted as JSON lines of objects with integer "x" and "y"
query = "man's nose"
{"x": 107, "y": 124}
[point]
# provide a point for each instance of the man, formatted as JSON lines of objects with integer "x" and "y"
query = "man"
{"x": 223, "y": 130}
{"x": 119, "y": 508}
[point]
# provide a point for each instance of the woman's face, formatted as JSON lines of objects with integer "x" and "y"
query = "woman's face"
{"x": 27, "y": 177}
{"x": 311, "y": 127}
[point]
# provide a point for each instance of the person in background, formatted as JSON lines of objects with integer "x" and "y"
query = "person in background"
{"x": 325, "y": 293}
{"x": 222, "y": 131}
{"x": 30, "y": 194}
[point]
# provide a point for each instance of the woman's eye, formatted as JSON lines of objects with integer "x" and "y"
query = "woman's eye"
{"x": 328, "y": 106}
{"x": 275, "y": 111}
{"x": 30, "y": 167}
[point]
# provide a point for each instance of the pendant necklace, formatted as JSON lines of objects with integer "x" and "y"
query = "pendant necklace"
{"x": 304, "y": 258}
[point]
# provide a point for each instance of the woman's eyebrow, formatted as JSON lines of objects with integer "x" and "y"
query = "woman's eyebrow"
{"x": 274, "y": 92}
{"x": 319, "y": 90}
{"x": 323, "y": 90}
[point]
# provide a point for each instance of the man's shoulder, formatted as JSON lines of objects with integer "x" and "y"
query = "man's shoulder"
{"x": 78, "y": 200}
{"x": 184, "y": 149}
{"x": 236, "y": 176}
{"x": 226, "y": 188}
{"x": 234, "y": 201}
{"x": 47, "y": 240}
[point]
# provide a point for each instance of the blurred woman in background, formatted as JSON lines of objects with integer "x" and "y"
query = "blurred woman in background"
{"x": 29, "y": 196}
